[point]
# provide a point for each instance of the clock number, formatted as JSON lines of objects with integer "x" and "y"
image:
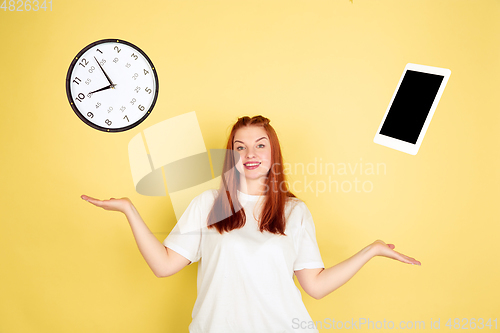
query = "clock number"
{"x": 80, "y": 97}
{"x": 84, "y": 61}
{"x": 135, "y": 76}
{"x": 77, "y": 82}
{"x": 126, "y": 118}
{"x": 117, "y": 49}
{"x": 141, "y": 107}
{"x": 19, "y": 1}
{"x": 127, "y": 65}
{"x": 97, "y": 105}
{"x": 89, "y": 95}
{"x": 134, "y": 56}
{"x": 4, "y": 5}
{"x": 132, "y": 101}
{"x": 110, "y": 109}
{"x": 91, "y": 70}
{"x": 28, "y": 4}
{"x": 115, "y": 60}
{"x": 35, "y": 10}
{"x": 99, "y": 51}
{"x": 103, "y": 62}
{"x": 137, "y": 89}
{"x": 122, "y": 108}
{"x": 88, "y": 82}
{"x": 108, "y": 122}
{"x": 148, "y": 90}
{"x": 90, "y": 115}
{"x": 146, "y": 72}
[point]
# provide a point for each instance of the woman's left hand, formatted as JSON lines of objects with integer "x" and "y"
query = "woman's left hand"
{"x": 380, "y": 248}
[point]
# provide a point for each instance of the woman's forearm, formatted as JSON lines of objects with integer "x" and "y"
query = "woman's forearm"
{"x": 151, "y": 249}
{"x": 332, "y": 278}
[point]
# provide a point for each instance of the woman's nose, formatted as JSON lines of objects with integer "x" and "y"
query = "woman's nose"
{"x": 250, "y": 153}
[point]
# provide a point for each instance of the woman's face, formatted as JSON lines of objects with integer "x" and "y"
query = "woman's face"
{"x": 252, "y": 143}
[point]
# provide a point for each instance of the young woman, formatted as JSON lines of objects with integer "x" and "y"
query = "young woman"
{"x": 249, "y": 237}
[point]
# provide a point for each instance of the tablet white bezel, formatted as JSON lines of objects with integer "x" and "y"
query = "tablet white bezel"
{"x": 404, "y": 146}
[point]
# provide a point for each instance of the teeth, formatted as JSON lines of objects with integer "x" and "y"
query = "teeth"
{"x": 252, "y": 164}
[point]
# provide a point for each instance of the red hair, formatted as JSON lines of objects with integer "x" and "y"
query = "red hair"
{"x": 227, "y": 213}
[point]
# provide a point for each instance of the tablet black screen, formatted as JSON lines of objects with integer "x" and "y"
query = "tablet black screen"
{"x": 411, "y": 106}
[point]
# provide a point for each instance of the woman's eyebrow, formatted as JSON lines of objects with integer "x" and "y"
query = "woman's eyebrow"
{"x": 255, "y": 140}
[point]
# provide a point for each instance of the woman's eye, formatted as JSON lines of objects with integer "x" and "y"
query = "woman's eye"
{"x": 261, "y": 145}
{"x": 239, "y": 148}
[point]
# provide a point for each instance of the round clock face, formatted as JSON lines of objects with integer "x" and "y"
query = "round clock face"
{"x": 112, "y": 85}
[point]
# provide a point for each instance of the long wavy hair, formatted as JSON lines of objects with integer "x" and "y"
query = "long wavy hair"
{"x": 227, "y": 213}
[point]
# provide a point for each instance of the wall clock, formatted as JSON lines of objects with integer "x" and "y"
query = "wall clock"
{"x": 112, "y": 85}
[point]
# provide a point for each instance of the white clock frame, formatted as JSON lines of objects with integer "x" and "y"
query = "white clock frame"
{"x": 112, "y": 85}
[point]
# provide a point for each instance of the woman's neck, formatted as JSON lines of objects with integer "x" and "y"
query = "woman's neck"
{"x": 252, "y": 187}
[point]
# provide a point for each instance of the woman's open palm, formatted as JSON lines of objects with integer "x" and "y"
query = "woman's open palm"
{"x": 119, "y": 205}
{"x": 387, "y": 250}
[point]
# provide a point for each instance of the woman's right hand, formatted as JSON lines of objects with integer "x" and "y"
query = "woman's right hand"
{"x": 119, "y": 205}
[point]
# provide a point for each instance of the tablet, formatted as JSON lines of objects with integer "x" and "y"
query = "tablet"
{"x": 411, "y": 108}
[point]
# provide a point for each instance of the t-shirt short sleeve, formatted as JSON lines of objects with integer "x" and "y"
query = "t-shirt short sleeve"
{"x": 308, "y": 255}
{"x": 185, "y": 237}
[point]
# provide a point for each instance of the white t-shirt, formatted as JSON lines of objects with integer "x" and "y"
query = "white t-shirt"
{"x": 245, "y": 277}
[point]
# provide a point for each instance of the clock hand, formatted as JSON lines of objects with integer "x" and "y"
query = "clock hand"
{"x": 107, "y": 77}
{"x": 108, "y": 87}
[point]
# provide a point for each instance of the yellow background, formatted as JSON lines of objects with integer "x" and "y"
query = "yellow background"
{"x": 324, "y": 73}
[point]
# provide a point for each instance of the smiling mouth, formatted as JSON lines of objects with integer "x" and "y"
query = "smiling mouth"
{"x": 251, "y": 165}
